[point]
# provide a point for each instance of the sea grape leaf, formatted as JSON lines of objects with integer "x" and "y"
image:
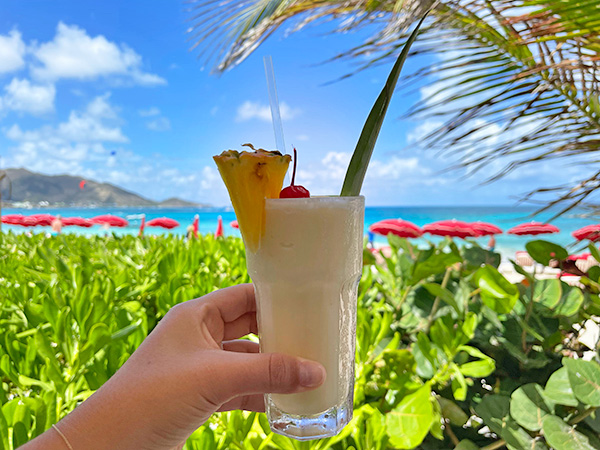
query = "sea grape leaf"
{"x": 528, "y": 406}
{"x": 435, "y": 264}
{"x": 495, "y": 412}
{"x": 594, "y": 273}
{"x": 584, "y": 377}
{"x": 442, "y": 335}
{"x": 518, "y": 439}
{"x": 593, "y": 421}
{"x": 475, "y": 257}
{"x": 438, "y": 290}
{"x": 466, "y": 444}
{"x": 459, "y": 384}
{"x": 562, "y": 436}
{"x": 469, "y": 326}
{"x": 478, "y": 369}
{"x": 410, "y": 421}
{"x": 570, "y": 303}
{"x": 558, "y": 388}
{"x": 544, "y": 251}
{"x": 493, "y": 409}
{"x": 594, "y": 251}
{"x": 359, "y": 163}
{"x": 547, "y": 292}
{"x": 496, "y": 291}
{"x": 453, "y": 412}
{"x": 436, "y": 429}
{"x": 425, "y": 356}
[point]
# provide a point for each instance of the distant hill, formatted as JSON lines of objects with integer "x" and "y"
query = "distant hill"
{"x": 176, "y": 202}
{"x": 65, "y": 190}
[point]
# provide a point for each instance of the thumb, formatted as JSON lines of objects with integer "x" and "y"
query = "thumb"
{"x": 263, "y": 373}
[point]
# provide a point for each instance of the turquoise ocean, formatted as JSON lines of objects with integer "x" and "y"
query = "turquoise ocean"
{"x": 502, "y": 216}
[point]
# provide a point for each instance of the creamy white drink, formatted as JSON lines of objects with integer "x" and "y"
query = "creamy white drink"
{"x": 305, "y": 272}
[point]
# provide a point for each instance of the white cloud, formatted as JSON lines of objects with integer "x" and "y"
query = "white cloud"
{"x": 159, "y": 124}
{"x": 12, "y": 52}
{"x": 74, "y": 54}
{"x": 99, "y": 107}
{"x": 68, "y": 145}
{"x": 153, "y": 111}
{"x": 209, "y": 177}
{"x": 385, "y": 178}
{"x": 90, "y": 144}
{"x": 395, "y": 168}
{"x": 256, "y": 110}
{"x": 23, "y": 96}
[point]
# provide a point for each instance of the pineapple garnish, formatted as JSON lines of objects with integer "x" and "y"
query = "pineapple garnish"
{"x": 250, "y": 178}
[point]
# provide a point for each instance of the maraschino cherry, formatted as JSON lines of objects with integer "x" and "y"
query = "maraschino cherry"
{"x": 293, "y": 191}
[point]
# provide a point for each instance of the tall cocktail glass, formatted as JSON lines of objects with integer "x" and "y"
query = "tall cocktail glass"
{"x": 305, "y": 273}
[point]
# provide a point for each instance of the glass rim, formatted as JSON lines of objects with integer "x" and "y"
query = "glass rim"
{"x": 317, "y": 198}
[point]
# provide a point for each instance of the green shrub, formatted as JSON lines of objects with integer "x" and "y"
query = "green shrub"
{"x": 449, "y": 353}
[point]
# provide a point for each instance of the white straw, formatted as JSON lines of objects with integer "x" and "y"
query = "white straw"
{"x": 274, "y": 101}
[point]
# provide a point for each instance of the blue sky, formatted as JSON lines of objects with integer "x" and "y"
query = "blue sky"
{"x": 110, "y": 91}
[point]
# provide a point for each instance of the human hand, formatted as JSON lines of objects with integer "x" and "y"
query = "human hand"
{"x": 189, "y": 367}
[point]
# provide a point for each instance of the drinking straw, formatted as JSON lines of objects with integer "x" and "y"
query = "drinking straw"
{"x": 274, "y": 101}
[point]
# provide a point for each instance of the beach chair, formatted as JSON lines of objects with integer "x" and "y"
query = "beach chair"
{"x": 571, "y": 279}
{"x": 523, "y": 259}
{"x": 586, "y": 264}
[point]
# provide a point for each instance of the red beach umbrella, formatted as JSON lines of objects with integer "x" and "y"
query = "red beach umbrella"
{"x": 42, "y": 220}
{"x": 108, "y": 219}
{"x": 399, "y": 227}
{"x": 77, "y": 222}
{"x": 219, "y": 232}
{"x": 12, "y": 219}
{"x": 234, "y": 224}
{"x": 196, "y": 225}
{"x": 589, "y": 232}
{"x": 485, "y": 228}
{"x": 163, "y": 222}
{"x": 579, "y": 257}
{"x": 142, "y": 225}
{"x": 533, "y": 228}
{"x": 452, "y": 228}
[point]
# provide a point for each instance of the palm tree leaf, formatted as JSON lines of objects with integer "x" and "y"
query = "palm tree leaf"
{"x": 359, "y": 162}
{"x": 512, "y": 63}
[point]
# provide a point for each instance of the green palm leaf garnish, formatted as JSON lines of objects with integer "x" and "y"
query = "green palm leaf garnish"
{"x": 359, "y": 163}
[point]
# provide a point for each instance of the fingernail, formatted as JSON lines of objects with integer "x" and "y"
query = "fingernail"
{"x": 312, "y": 374}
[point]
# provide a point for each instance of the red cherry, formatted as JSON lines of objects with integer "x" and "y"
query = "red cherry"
{"x": 294, "y": 191}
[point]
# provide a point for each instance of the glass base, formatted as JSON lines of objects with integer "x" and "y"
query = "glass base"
{"x": 308, "y": 427}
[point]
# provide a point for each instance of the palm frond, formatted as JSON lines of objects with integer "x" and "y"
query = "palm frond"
{"x": 529, "y": 68}
{"x": 229, "y": 30}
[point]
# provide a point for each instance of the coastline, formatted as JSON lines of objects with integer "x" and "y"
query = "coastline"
{"x": 502, "y": 216}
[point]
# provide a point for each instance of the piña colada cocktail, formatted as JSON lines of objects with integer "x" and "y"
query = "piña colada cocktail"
{"x": 304, "y": 256}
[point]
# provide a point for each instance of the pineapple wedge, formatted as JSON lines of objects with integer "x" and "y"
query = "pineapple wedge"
{"x": 250, "y": 178}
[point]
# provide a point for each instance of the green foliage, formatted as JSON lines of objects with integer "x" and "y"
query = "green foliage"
{"x": 449, "y": 354}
